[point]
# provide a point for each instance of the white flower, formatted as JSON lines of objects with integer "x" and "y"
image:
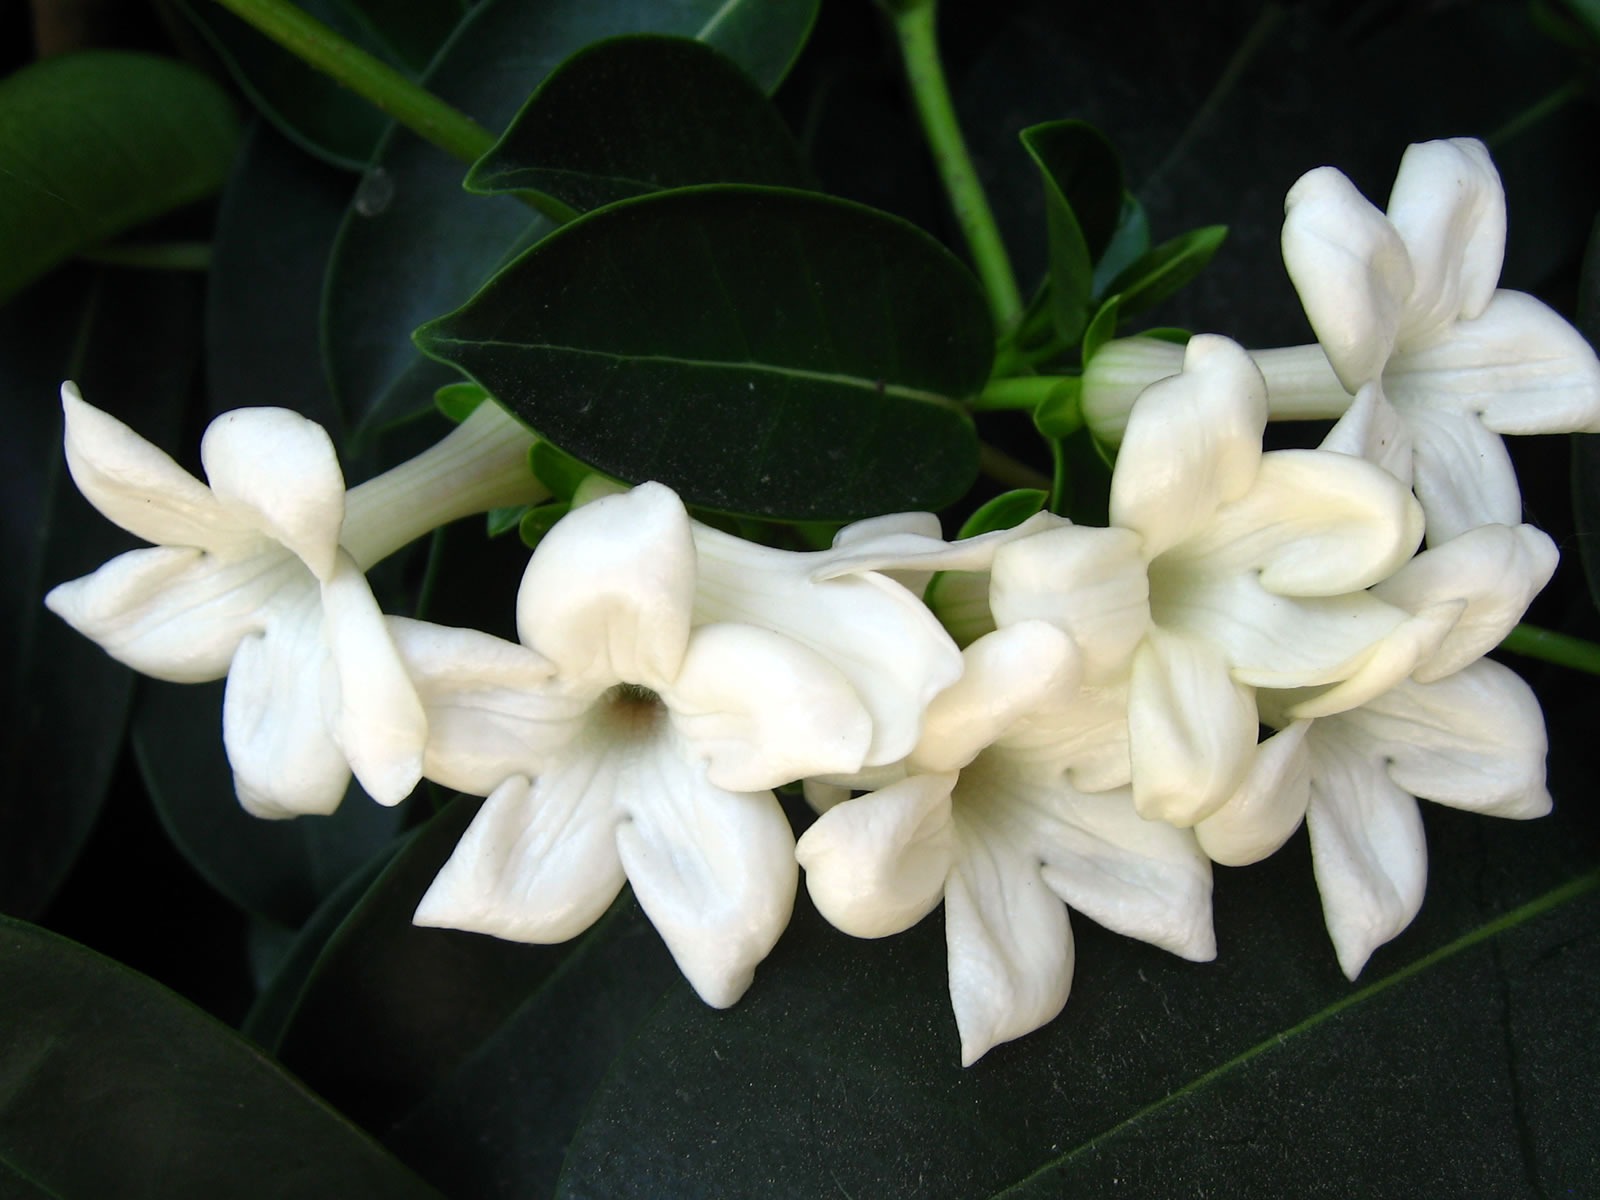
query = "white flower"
{"x": 1225, "y": 570}
{"x": 259, "y": 577}
{"x": 988, "y": 821}
{"x": 625, "y": 738}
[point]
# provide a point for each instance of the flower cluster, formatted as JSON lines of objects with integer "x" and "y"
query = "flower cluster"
{"x": 1096, "y": 742}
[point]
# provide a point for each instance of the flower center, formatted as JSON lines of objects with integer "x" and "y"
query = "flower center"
{"x": 632, "y": 707}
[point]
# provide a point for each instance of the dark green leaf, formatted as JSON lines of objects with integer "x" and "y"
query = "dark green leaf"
{"x": 1061, "y": 412}
{"x": 1005, "y": 511}
{"x": 761, "y": 351}
{"x": 1165, "y": 269}
{"x": 1083, "y": 200}
{"x": 415, "y": 245}
{"x": 1103, "y": 328}
{"x": 504, "y": 520}
{"x": 637, "y": 114}
{"x": 112, "y": 1086}
{"x": 1129, "y": 243}
{"x": 309, "y": 107}
{"x": 131, "y": 339}
{"x": 94, "y": 143}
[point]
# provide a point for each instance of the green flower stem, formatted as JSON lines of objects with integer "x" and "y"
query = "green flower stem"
{"x": 1002, "y": 468}
{"x": 154, "y": 256}
{"x": 1022, "y": 391}
{"x": 1530, "y": 641}
{"x": 915, "y": 24}
{"x": 418, "y": 110}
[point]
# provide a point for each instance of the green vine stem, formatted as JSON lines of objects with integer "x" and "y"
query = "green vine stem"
{"x": 1530, "y": 641}
{"x": 417, "y": 109}
{"x": 916, "y": 26}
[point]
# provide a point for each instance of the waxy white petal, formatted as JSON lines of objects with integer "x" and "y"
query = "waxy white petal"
{"x": 1450, "y": 211}
{"x": 877, "y": 864}
{"x": 538, "y": 863}
{"x": 1193, "y": 443}
{"x": 1393, "y": 658}
{"x": 278, "y": 472}
{"x": 1352, "y": 272}
{"x": 1268, "y": 807}
{"x": 1373, "y": 429}
{"x": 1464, "y": 476}
{"x": 1087, "y": 736}
{"x": 764, "y": 710}
{"x": 607, "y": 595}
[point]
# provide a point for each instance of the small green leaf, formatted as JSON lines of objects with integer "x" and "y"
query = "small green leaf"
{"x": 636, "y": 114}
{"x": 110, "y": 1085}
{"x": 540, "y": 521}
{"x": 1168, "y": 333}
{"x": 1083, "y": 201}
{"x": 762, "y": 351}
{"x": 1165, "y": 269}
{"x": 558, "y": 470}
{"x": 1128, "y": 245}
{"x": 1005, "y": 511}
{"x": 96, "y": 142}
{"x": 458, "y": 401}
{"x": 1103, "y": 328}
{"x": 1061, "y": 412}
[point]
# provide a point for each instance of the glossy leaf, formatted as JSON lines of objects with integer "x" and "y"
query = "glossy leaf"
{"x": 761, "y": 351}
{"x": 131, "y": 339}
{"x": 112, "y": 1086}
{"x": 1082, "y": 180}
{"x": 1103, "y": 327}
{"x": 637, "y": 114}
{"x": 1005, "y": 511}
{"x": 1166, "y": 268}
{"x": 311, "y": 108}
{"x": 414, "y": 245}
{"x": 1061, "y": 412}
{"x": 92, "y": 144}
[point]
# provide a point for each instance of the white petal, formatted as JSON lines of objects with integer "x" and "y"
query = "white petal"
{"x": 1116, "y": 376}
{"x": 284, "y": 757}
{"x": 1474, "y": 740}
{"x": 1520, "y": 367}
{"x": 178, "y": 614}
{"x": 492, "y": 708}
{"x": 1450, "y": 211}
{"x": 138, "y": 486}
{"x": 1269, "y": 805}
{"x": 877, "y": 864}
{"x": 1464, "y": 476}
{"x": 1494, "y": 571}
{"x": 882, "y": 638}
{"x": 608, "y": 594}
{"x": 1191, "y": 729}
{"x": 538, "y": 863}
{"x": 1367, "y": 847}
{"x": 1008, "y": 943}
{"x": 278, "y": 471}
{"x": 1393, "y": 658}
{"x": 764, "y": 710}
{"x": 1089, "y": 583}
{"x": 374, "y": 711}
{"x": 1351, "y": 270}
{"x": 1009, "y": 673}
{"x": 714, "y": 870}
{"x": 1087, "y": 736}
{"x": 1373, "y": 429}
{"x": 900, "y": 553}
{"x": 1193, "y": 443}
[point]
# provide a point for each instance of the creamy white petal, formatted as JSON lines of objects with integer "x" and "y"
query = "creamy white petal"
{"x": 1352, "y": 272}
{"x": 1008, "y": 943}
{"x": 1493, "y": 571}
{"x": 1268, "y": 807}
{"x": 1394, "y": 657}
{"x": 139, "y": 486}
{"x": 492, "y": 706}
{"x": 900, "y": 553}
{"x": 538, "y": 863}
{"x": 1087, "y": 736}
{"x": 1009, "y": 673}
{"x": 284, "y": 757}
{"x": 1193, "y": 443}
{"x": 1191, "y": 729}
{"x": 1474, "y": 740}
{"x": 1464, "y": 476}
{"x": 877, "y": 864}
{"x": 714, "y": 870}
{"x": 373, "y": 710}
{"x": 608, "y": 594}
{"x": 764, "y": 710}
{"x": 1520, "y": 367}
{"x": 176, "y": 613}
{"x": 1450, "y": 211}
{"x": 1367, "y": 846}
{"x": 1089, "y": 583}
{"x": 1116, "y": 376}
{"x": 278, "y": 471}
{"x": 1373, "y": 429}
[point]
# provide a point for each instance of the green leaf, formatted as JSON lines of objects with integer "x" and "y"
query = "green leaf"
{"x": 131, "y": 339}
{"x": 458, "y": 401}
{"x": 558, "y": 470}
{"x": 761, "y": 351}
{"x": 1005, "y": 511}
{"x": 1168, "y": 267}
{"x": 540, "y": 521}
{"x": 93, "y": 143}
{"x": 310, "y": 108}
{"x": 1083, "y": 201}
{"x": 380, "y": 286}
{"x": 1061, "y": 412}
{"x": 112, "y": 1086}
{"x": 1103, "y": 327}
{"x": 637, "y": 114}
{"x": 1129, "y": 243}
